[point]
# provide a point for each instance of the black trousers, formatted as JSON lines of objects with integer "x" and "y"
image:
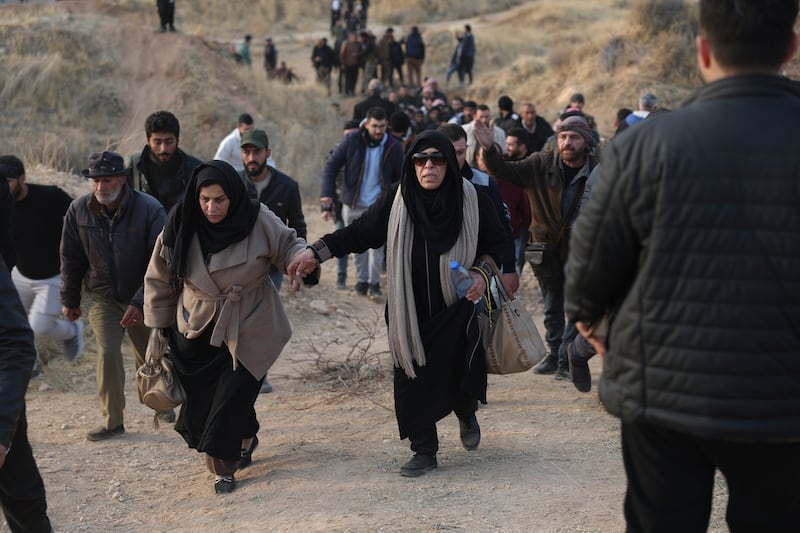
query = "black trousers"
{"x": 166, "y": 12}
{"x": 671, "y": 482}
{"x": 22, "y": 493}
{"x": 350, "y": 79}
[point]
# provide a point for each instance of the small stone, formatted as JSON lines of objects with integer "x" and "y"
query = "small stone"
{"x": 320, "y": 306}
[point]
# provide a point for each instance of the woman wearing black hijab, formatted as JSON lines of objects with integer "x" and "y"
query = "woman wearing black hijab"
{"x": 208, "y": 287}
{"x": 430, "y": 218}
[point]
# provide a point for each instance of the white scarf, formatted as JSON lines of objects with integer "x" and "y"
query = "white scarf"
{"x": 405, "y": 343}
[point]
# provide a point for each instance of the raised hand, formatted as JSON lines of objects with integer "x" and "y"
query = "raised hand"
{"x": 483, "y": 134}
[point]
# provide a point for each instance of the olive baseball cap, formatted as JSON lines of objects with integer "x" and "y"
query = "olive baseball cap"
{"x": 256, "y": 137}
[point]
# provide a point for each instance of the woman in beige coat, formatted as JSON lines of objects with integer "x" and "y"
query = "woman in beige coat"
{"x": 207, "y": 287}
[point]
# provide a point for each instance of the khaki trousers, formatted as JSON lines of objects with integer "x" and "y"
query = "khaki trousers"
{"x": 104, "y": 316}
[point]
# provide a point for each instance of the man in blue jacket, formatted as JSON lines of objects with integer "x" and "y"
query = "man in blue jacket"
{"x": 372, "y": 160}
{"x": 690, "y": 251}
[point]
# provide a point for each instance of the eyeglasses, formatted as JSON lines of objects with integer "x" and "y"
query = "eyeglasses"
{"x": 437, "y": 158}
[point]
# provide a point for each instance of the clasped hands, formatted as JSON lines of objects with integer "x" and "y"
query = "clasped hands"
{"x": 301, "y": 266}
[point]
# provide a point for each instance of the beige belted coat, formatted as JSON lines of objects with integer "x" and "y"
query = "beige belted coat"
{"x": 232, "y": 291}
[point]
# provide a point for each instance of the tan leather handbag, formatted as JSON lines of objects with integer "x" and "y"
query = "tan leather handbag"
{"x": 159, "y": 388}
{"x": 510, "y": 338}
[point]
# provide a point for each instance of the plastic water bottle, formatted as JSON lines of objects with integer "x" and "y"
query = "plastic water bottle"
{"x": 462, "y": 281}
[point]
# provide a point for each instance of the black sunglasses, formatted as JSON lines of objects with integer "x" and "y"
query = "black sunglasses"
{"x": 437, "y": 158}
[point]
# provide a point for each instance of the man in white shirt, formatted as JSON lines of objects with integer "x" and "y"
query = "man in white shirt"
{"x": 230, "y": 149}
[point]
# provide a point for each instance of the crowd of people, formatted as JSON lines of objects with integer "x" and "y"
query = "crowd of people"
{"x": 675, "y": 258}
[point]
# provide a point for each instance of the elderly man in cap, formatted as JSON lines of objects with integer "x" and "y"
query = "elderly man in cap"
{"x": 558, "y": 183}
{"x": 106, "y": 244}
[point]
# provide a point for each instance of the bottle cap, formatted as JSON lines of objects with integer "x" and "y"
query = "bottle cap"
{"x": 454, "y": 265}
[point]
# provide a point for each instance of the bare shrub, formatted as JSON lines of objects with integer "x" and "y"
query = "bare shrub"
{"x": 656, "y": 16}
{"x": 360, "y": 367}
{"x": 676, "y": 60}
{"x": 612, "y": 54}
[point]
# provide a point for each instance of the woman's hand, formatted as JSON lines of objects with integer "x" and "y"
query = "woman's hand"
{"x": 478, "y": 288}
{"x": 301, "y": 266}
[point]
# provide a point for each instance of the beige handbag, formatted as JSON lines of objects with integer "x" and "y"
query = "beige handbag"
{"x": 159, "y": 388}
{"x": 510, "y": 338}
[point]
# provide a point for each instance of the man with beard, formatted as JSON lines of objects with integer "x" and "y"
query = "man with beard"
{"x": 271, "y": 187}
{"x": 106, "y": 244}
{"x": 274, "y": 189}
{"x": 372, "y": 160}
{"x": 558, "y": 182}
{"x": 162, "y": 169}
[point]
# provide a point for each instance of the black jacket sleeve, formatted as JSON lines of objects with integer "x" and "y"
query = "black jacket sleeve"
{"x": 367, "y": 231}
{"x": 605, "y": 244}
{"x": 17, "y": 354}
{"x": 7, "y": 252}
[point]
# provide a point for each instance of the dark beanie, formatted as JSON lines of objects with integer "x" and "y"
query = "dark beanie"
{"x": 579, "y": 126}
{"x": 505, "y": 103}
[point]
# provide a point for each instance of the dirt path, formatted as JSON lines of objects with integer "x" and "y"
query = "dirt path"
{"x": 328, "y": 458}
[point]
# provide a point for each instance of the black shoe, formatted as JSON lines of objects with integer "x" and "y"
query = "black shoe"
{"x": 562, "y": 374}
{"x": 470, "y": 432}
{"x": 548, "y": 365}
{"x": 266, "y": 386}
{"x": 341, "y": 281}
{"x": 224, "y": 484}
{"x": 362, "y": 287}
{"x": 105, "y": 434}
{"x": 579, "y": 371}
{"x": 167, "y": 416}
{"x": 247, "y": 455}
{"x": 418, "y": 465}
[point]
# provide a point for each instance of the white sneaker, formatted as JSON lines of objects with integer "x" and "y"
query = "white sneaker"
{"x": 73, "y": 348}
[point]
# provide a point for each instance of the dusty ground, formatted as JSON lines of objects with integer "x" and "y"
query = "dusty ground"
{"x": 329, "y": 456}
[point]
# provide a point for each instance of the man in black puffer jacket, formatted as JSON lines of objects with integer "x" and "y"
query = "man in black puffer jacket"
{"x": 691, "y": 246}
